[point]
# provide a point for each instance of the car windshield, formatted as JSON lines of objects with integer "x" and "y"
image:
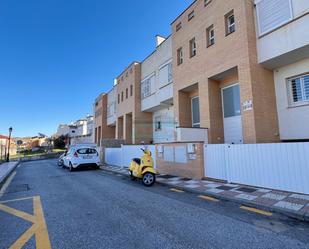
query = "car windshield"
{"x": 86, "y": 151}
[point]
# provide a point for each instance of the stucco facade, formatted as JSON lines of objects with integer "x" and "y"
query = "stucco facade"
{"x": 293, "y": 120}
{"x": 157, "y": 90}
{"x": 283, "y": 47}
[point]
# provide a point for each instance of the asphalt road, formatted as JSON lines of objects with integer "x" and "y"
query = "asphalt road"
{"x": 97, "y": 209}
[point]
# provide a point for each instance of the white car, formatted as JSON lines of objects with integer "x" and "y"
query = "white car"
{"x": 81, "y": 156}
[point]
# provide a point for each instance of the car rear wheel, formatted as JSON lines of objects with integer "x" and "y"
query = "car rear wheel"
{"x": 149, "y": 179}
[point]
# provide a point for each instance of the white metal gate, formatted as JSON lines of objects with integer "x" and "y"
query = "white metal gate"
{"x": 282, "y": 166}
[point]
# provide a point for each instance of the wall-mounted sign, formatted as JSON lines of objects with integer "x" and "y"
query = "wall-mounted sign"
{"x": 247, "y": 105}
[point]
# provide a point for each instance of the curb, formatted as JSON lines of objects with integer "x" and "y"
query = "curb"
{"x": 291, "y": 214}
{"x": 3, "y": 179}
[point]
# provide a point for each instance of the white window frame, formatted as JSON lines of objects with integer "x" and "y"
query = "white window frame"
{"x": 192, "y": 46}
{"x": 169, "y": 66}
{"x": 229, "y": 25}
{"x": 275, "y": 27}
{"x": 158, "y": 119}
{"x": 179, "y": 56}
{"x": 191, "y": 15}
{"x": 210, "y": 38}
{"x": 146, "y": 84}
{"x": 194, "y": 125}
{"x": 304, "y": 100}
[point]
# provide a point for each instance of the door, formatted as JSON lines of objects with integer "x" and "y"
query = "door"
{"x": 232, "y": 115}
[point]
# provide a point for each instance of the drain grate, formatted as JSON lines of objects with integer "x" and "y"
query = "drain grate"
{"x": 224, "y": 187}
{"x": 246, "y": 190}
{"x": 17, "y": 188}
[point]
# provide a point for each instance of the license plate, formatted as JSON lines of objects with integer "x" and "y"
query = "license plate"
{"x": 87, "y": 157}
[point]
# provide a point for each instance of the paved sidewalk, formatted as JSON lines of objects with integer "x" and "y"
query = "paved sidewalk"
{"x": 6, "y": 169}
{"x": 291, "y": 204}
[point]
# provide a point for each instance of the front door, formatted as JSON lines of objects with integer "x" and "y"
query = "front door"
{"x": 232, "y": 115}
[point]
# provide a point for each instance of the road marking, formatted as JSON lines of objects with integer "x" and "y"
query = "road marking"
{"x": 208, "y": 198}
{"x": 38, "y": 227}
{"x": 20, "y": 199}
{"x": 41, "y": 237}
{"x": 255, "y": 210}
{"x": 176, "y": 190}
{"x": 7, "y": 183}
{"x": 18, "y": 213}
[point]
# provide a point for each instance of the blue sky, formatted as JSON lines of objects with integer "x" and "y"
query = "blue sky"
{"x": 56, "y": 56}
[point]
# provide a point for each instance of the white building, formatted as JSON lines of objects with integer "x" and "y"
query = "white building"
{"x": 80, "y": 131}
{"x": 157, "y": 90}
{"x": 283, "y": 46}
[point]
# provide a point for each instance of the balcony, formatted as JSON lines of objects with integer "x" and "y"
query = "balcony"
{"x": 286, "y": 22}
{"x": 157, "y": 90}
{"x": 189, "y": 134}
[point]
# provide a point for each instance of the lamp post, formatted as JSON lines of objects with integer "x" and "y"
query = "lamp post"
{"x": 8, "y": 155}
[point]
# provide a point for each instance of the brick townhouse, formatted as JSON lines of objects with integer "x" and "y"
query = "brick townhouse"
{"x": 225, "y": 75}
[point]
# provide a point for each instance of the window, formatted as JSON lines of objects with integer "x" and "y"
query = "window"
{"x": 127, "y": 74}
{"x": 131, "y": 90}
{"x": 121, "y": 96}
{"x": 170, "y": 72}
{"x": 192, "y": 46}
{"x": 206, "y": 2}
{"x": 158, "y": 124}
{"x": 127, "y": 93}
{"x": 195, "y": 110}
{"x": 271, "y": 14}
{"x": 179, "y": 56}
{"x": 96, "y": 103}
{"x": 147, "y": 86}
{"x": 121, "y": 78}
{"x": 165, "y": 75}
{"x": 298, "y": 89}
{"x": 118, "y": 98}
{"x": 190, "y": 15}
{"x": 229, "y": 23}
{"x": 210, "y": 33}
{"x": 178, "y": 26}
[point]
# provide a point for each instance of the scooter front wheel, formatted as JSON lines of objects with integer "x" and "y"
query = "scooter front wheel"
{"x": 149, "y": 179}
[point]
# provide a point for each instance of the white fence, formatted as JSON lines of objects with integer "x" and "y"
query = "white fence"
{"x": 282, "y": 166}
{"x": 122, "y": 156}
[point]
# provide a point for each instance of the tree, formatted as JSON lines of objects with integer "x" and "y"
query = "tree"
{"x": 59, "y": 142}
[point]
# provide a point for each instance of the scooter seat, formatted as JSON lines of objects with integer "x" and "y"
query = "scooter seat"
{"x": 137, "y": 160}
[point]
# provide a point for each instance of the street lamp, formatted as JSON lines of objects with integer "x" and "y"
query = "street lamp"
{"x": 8, "y": 155}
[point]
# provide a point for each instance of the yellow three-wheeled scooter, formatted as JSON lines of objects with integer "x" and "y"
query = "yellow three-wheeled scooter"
{"x": 143, "y": 168}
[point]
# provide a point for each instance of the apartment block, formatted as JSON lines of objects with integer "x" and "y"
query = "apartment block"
{"x": 219, "y": 86}
{"x": 101, "y": 127}
{"x": 132, "y": 125}
{"x": 157, "y": 90}
{"x": 283, "y": 48}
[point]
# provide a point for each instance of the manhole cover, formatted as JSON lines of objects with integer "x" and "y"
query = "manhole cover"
{"x": 224, "y": 187}
{"x": 246, "y": 190}
{"x": 17, "y": 188}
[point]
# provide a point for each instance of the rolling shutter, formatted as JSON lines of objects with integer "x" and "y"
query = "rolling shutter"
{"x": 272, "y": 14}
